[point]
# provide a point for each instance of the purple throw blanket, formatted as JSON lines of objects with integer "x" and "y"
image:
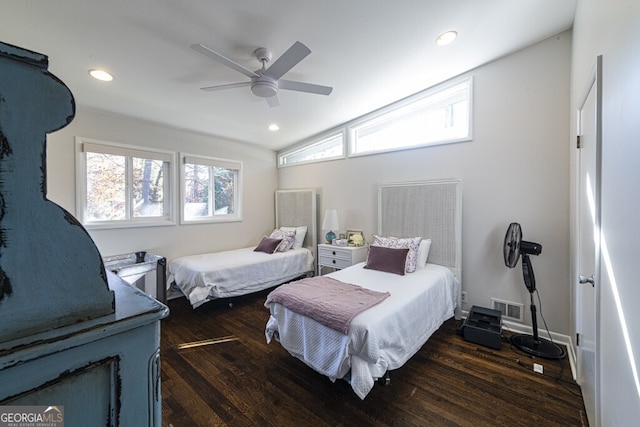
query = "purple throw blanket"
{"x": 328, "y": 301}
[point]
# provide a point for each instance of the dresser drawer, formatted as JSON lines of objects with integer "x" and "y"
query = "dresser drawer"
{"x": 334, "y": 261}
{"x": 334, "y": 253}
{"x": 339, "y": 257}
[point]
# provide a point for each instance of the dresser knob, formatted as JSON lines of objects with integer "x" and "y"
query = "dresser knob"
{"x": 334, "y": 252}
{"x": 333, "y": 261}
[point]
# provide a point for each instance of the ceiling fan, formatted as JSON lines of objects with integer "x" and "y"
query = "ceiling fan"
{"x": 266, "y": 82}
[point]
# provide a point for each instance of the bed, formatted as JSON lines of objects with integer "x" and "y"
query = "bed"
{"x": 209, "y": 276}
{"x": 386, "y": 335}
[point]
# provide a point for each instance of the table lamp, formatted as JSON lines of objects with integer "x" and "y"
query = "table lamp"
{"x": 330, "y": 223}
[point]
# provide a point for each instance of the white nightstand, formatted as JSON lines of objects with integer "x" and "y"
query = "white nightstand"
{"x": 339, "y": 257}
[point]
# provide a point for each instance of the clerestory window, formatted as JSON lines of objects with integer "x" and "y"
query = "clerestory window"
{"x": 439, "y": 115}
{"x": 434, "y": 117}
{"x": 328, "y": 146}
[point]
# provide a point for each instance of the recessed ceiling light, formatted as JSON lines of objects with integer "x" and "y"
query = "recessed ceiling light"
{"x": 274, "y": 127}
{"x": 101, "y": 75}
{"x": 446, "y": 38}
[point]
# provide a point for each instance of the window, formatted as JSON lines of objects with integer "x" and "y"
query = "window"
{"x": 123, "y": 186}
{"x": 439, "y": 115}
{"x": 432, "y": 117}
{"x": 210, "y": 189}
{"x": 327, "y": 147}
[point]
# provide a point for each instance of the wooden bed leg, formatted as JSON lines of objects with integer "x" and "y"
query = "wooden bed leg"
{"x": 385, "y": 380}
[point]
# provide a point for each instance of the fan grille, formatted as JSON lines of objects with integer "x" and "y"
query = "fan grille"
{"x": 512, "y": 244}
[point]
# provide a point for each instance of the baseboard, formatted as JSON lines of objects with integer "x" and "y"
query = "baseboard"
{"x": 565, "y": 340}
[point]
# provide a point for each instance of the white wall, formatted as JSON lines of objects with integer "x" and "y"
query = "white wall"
{"x": 259, "y": 177}
{"x": 611, "y": 29}
{"x": 515, "y": 169}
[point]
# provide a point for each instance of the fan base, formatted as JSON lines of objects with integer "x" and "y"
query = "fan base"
{"x": 543, "y": 348}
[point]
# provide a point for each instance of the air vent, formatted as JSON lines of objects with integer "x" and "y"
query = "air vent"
{"x": 509, "y": 310}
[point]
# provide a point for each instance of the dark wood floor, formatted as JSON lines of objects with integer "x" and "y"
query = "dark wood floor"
{"x": 449, "y": 382}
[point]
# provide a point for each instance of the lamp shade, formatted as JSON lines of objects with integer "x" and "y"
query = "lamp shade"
{"x": 330, "y": 220}
{"x": 330, "y": 223}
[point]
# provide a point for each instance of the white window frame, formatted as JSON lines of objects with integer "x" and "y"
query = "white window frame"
{"x": 310, "y": 145}
{"x": 349, "y": 130}
{"x": 386, "y": 115}
{"x": 84, "y": 145}
{"x": 236, "y": 216}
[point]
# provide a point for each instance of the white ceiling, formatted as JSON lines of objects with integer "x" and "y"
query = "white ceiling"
{"x": 371, "y": 54}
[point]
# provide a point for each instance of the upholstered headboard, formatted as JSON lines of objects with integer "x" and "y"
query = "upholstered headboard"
{"x": 295, "y": 208}
{"x": 430, "y": 209}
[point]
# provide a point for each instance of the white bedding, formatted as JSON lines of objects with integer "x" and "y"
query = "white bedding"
{"x": 236, "y": 272}
{"x": 381, "y": 338}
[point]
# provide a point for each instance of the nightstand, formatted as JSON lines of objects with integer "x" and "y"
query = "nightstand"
{"x": 339, "y": 257}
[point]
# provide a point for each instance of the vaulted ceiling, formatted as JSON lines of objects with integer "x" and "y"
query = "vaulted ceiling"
{"x": 371, "y": 53}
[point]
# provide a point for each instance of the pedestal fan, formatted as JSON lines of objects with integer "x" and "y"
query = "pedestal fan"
{"x": 514, "y": 248}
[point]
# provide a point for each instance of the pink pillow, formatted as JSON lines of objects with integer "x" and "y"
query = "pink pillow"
{"x": 267, "y": 245}
{"x": 387, "y": 259}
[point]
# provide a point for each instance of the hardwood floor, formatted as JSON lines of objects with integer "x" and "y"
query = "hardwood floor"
{"x": 449, "y": 382}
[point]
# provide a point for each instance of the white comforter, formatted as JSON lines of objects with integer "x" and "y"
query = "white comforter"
{"x": 237, "y": 272}
{"x": 381, "y": 338}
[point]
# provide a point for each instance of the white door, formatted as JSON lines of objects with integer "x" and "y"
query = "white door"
{"x": 588, "y": 244}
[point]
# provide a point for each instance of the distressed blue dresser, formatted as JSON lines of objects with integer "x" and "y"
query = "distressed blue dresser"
{"x": 71, "y": 334}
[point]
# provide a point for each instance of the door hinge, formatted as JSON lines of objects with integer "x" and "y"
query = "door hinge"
{"x": 577, "y": 340}
{"x": 578, "y": 145}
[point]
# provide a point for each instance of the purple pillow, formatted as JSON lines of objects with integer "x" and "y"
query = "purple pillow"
{"x": 390, "y": 260}
{"x": 267, "y": 245}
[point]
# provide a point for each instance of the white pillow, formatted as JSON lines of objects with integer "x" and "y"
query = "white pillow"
{"x": 287, "y": 238}
{"x": 423, "y": 253}
{"x": 301, "y": 232}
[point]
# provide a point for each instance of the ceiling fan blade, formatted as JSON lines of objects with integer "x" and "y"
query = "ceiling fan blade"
{"x": 228, "y": 86}
{"x": 296, "y": 53}
{"x": 223, "y": 60}
{"x": 304, "y": 87}
{"x": 273, "y": 101}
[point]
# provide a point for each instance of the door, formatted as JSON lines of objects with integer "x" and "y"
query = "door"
{"x": 588, "y": 241}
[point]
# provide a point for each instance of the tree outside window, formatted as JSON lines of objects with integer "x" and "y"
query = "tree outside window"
{"x": 210, "y": 189}
{"x": 123, "y": 185}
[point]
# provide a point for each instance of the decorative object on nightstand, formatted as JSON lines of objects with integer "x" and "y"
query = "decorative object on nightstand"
{"x": 339, "y": 257}
{"x": 355, "y": 237}
{"x": 330, "y": 223}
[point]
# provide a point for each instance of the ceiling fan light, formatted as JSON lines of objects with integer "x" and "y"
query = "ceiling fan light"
{"x": 446, "y": 38}
{"x": 264, "y": 89}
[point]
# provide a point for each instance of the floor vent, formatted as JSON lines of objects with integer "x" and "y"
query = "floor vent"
{"x": 509, "y": 310}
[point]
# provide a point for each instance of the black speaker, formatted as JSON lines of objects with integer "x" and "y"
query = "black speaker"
{"x": 483, "y": 326}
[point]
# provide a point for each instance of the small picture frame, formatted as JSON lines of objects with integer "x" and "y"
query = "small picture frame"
{"x": 351, "y": 233}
